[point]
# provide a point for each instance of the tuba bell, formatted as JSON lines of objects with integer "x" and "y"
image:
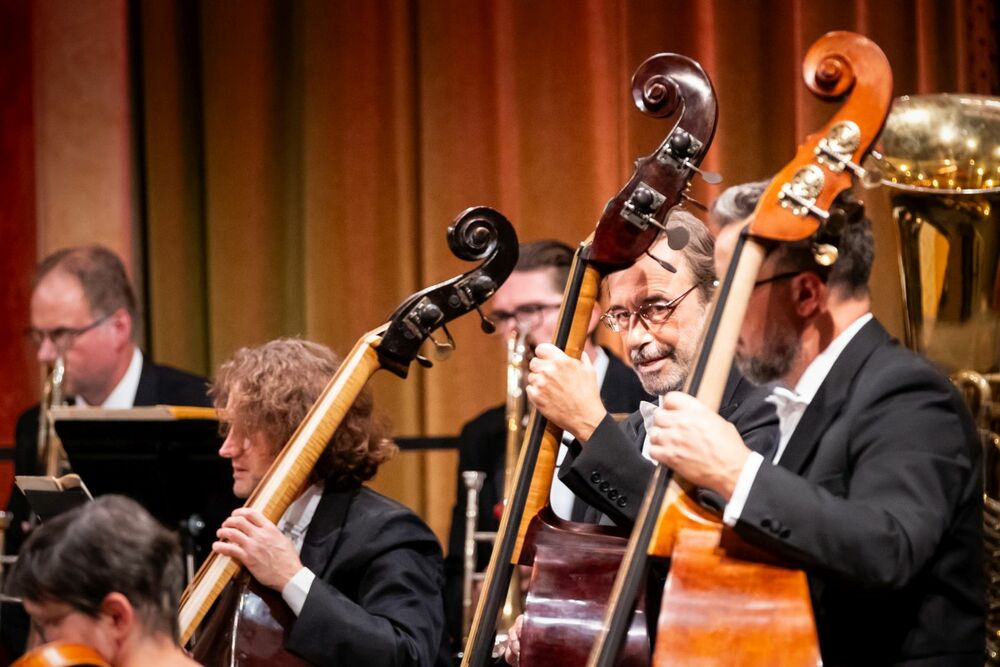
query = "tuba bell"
{"x": 940, "y": 160}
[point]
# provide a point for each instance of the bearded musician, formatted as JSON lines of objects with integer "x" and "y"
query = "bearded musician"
{"x": 874, "y": 488}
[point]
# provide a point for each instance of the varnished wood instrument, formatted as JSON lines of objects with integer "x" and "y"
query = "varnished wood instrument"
{"x": 61, "y": 654}
{"x": 718, "y": 608}
{"x": 477, "y": 234}
{"x": 663, "y": 86}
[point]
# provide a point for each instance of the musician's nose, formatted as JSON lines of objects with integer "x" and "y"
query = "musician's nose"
{"x": 47, "y": 351}
{"x": 230, "y": 448}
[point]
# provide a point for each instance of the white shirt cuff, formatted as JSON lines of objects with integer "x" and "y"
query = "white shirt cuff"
{"x": 296, "y": 590}
{"x": 735, "y": 505}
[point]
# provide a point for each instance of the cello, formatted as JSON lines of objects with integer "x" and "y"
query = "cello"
{"x": 663, "y": 86}
{"x": 256, "y": 636}
{"x": 724, "y": 603}
{"x": 61, "y": 654}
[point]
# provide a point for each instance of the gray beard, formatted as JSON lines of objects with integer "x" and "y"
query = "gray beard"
{"x": 775, "y": 361}
{"x": 663, "y": 382}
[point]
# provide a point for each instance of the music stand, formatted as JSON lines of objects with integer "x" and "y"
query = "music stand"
{"x": 164, "y": 457}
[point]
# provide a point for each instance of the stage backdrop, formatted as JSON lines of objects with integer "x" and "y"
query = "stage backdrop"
{"x": 280, "y": 168}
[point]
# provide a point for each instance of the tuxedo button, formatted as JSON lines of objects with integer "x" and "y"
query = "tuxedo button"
{"x": 595, "y": 477}
{"x": 612, "y": 494}
{"x": 622, "y": 501}
{"x": 785, "y": 532}
{"x": 766, "y": 522}
{"x": 604, "y": 486}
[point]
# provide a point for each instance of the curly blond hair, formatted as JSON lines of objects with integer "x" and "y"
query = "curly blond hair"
{"x": 269, "y": 389}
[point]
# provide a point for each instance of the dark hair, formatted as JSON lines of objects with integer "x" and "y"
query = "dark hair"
{"x": 269, "y": 389}
{"x": 855, "y": 241}
{"x": 547, "y": 254}
{"x": 101, "y": 274}
{"x": 109, "y": 545}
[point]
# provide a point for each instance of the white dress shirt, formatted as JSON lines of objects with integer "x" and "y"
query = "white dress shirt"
{"x": 123, "y": 395}
{"x": 790, "y": 405}
{"x": 561, "y": 499}
{"x": 294, "y": 523}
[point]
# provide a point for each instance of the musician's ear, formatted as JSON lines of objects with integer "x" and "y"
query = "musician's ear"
{"x": 808, "y": 294}
{"x": 121, "y": 615}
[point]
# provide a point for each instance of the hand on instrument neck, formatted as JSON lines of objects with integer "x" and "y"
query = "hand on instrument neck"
{"x": 565, "y": 391}
{"x": 257, "y": 543}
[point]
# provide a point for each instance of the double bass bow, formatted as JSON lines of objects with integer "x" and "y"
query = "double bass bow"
{"x": 478, "y": 234}
{"x": 664, "y": 85}
{"x": 720, "y": 606}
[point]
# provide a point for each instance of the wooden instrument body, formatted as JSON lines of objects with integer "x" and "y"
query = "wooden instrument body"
{"x": 61, "y": 654}
{"x": 247, "y": 628}
{"x": 574, "y": 568}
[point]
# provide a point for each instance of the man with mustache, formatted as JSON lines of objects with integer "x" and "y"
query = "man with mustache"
{"x": 658, "y": 306}
{"x": 875, "y": 488}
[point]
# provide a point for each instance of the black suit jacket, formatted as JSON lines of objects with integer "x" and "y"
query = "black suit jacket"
{"x": 878, "y": 495}
{"x": 377, "y": 597}
{"x": 611, "y": 475}
{"x": 481, "y": 447}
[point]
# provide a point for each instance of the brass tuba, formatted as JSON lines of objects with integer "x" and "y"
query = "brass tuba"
{"x": 940, "y": 158}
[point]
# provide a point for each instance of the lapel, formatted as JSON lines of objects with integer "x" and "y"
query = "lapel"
{"x": 325, "y": 529}
{"x": 826, "y": 405}
{"x": 145, "y": 392}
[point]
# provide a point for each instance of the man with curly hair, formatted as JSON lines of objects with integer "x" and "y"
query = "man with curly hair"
{"x": 361, "y": 573}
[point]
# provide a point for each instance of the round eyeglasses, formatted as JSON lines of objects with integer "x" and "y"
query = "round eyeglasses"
{"x": 62, "y": 337}
{"x": 527, "y": 316}
{"x": 653, "y": 313}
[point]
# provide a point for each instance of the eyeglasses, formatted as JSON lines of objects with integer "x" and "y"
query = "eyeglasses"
{"x": 527, "y": 315}
{"x": 63, "y": 337}
{"x": 780, "y": 276}
{"x": 653, "y": 313}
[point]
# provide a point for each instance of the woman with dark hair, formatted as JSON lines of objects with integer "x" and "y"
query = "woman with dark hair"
{"x": 361, "y": 573}
{"x": 108, "y": 576}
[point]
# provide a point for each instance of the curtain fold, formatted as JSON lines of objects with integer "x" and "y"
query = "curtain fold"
{"x": 304, "y": 159}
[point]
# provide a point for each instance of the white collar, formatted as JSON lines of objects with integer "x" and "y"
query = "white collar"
{"x": 295, "y": 521}
{"x": 601, "y": 363}
{"x": 123, "y": 395}
{"x": 817, "y": 371}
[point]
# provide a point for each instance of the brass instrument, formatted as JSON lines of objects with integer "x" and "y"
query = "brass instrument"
{"x": 518, "y": 356}
{"x": 940, "y": 157}
{"x": 50, "y": 452}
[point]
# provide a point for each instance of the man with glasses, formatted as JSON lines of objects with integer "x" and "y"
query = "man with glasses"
{"x": 658, "y": 307}
{"x": 530, "y": 299}
{"x": 84, "y": 311}
{"x": 875, "y": 487}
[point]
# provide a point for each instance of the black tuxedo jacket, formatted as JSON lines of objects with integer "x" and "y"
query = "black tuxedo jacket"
{"x": 481, "y": 447}
{"x": 878, "y": 495}
{"x": 376, "y": 599}
{"x": 610, "y": 474}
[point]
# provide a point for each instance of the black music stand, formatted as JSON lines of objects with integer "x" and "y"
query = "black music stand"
{"x": 164, "y": 457}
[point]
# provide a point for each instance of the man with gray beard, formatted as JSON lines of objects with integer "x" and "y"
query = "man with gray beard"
{"x": 658, "y": 306}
